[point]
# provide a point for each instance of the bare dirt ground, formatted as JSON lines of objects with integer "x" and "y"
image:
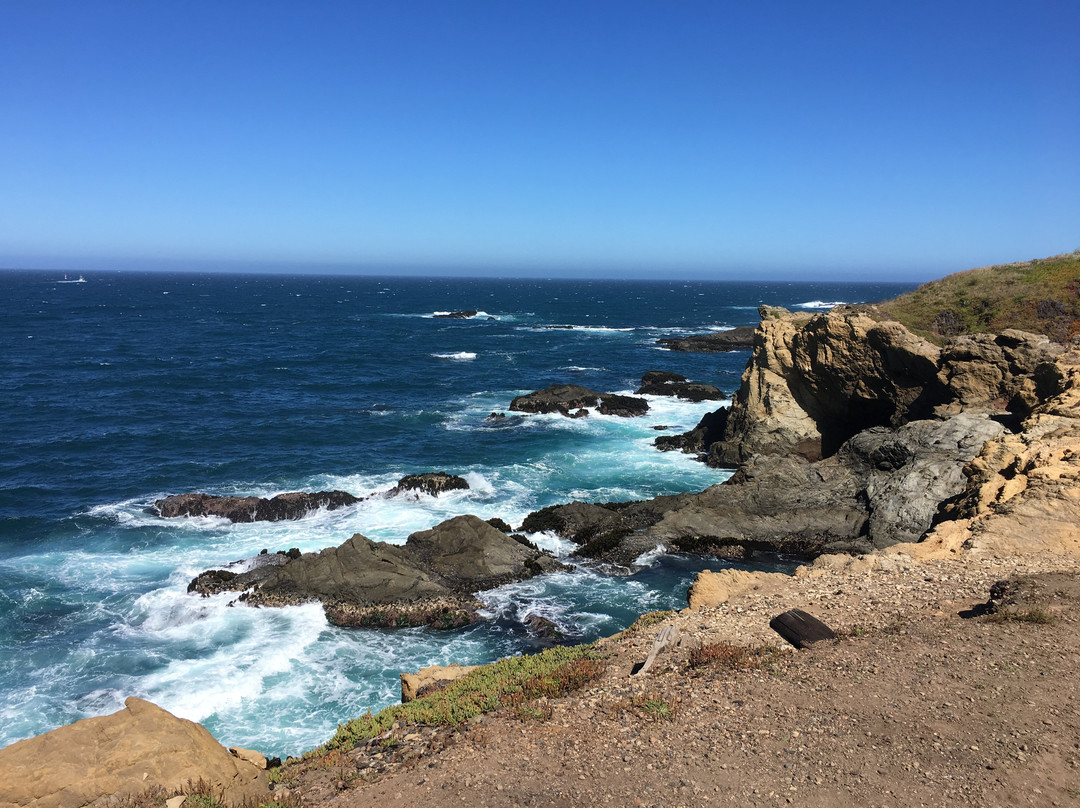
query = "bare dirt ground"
{"x": 913, "y": 706}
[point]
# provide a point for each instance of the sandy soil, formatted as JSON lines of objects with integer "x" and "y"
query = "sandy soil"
{"x": 913, "y": 706}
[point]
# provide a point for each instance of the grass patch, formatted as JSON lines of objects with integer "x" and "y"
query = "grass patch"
{"x": 647, "y": 620}
{"x": 510, "y": 683}
{"x": 1041, "y": 296}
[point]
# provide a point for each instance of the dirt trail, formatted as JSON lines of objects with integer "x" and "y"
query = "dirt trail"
{"x": 914, "y": 706}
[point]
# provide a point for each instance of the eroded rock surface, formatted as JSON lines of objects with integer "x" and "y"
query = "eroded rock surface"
{"x": 118, "y": 756}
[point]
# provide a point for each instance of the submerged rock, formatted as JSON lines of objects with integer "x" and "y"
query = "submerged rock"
{"x": 293, "y": 505}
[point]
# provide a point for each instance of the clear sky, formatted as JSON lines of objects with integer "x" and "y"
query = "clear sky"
{"x": 721, "y": 139}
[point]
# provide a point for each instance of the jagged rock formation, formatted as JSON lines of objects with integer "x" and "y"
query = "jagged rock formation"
{"x": 428, "y": 581}
{"x": 293, "y": 505}
{"x": 735, "y": 339}
{"x": 664, "y": 383}
{"x": 574, "y": 401}
{"x": 99, "y": 761}
{"x": 427, "y": 680}
{"x": 1022, "y": 491}
{"x": 815, "y": 381}
{"x": 849, "y": 434}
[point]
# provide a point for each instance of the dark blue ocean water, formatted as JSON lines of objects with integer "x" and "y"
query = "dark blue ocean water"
{"x": 128, "y": 387}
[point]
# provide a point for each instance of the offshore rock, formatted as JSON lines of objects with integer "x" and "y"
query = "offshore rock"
{"x": 428, "y": 581}
{"x": 455, "y": 315}
{"x": 663, "y": 383}
{"x": 283, "y": 507}
{"x": 433, "y": 483}
{"x": 735, "y": 339}
{"x": 115, "y": 757}
{"x": 700, "y": 439}
{"x": 571, "y": 399}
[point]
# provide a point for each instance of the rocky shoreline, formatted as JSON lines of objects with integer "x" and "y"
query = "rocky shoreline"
{"x": 916, "y": 474}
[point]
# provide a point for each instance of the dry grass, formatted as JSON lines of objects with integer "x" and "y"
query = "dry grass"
{"x": 1041, "y": 296}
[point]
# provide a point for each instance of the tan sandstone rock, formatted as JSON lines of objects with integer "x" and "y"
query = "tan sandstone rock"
{"x": 120, "y": 755}
{"x": 435, "y": 675}
{"x": 713, "y": 588}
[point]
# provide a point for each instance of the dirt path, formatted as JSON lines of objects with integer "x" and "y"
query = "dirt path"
{"x": 915, "y": 706}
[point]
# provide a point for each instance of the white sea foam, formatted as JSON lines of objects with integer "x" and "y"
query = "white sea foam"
{"x": 460, "y": 356}
{"x": 820, "y": 304}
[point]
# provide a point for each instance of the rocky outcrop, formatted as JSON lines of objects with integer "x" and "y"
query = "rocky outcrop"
{"x": 735, "y": 339}
{"x": 815, "y": 381}
{"x": 884, "y": 486}
{"x": 574, "y": 400}
{"x": 428, "y": 581}
{"x": 430, "y": 679}
{"x": 433, "y": 483}
{"x": 1022, "y": 491}
{"x": 700, "y": 439}
{"x": 455, "y": 315}
{"x": 664, "y": 383}
{"x": 710, "y": 588}
{"x": 104, "y": 760}
{"x": 293, "y": 505}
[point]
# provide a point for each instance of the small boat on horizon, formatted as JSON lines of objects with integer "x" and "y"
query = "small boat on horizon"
{"x": 80, "y": 279}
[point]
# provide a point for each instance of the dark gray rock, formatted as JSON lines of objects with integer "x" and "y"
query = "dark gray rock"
{"x": 736, "y": 339}
{"x": 456, "y": 315}
{"x": 663, "y": 383}
{"x": 428, "y": 581}
{"x": 253, "y": 509}
{"x": 574, "y": 401}
{"x": 433, "y": 483}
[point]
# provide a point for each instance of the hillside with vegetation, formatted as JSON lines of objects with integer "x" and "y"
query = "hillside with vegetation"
{"x": 1041, "y": 296}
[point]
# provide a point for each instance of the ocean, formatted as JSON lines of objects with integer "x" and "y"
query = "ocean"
{"x": 131, "y": 386}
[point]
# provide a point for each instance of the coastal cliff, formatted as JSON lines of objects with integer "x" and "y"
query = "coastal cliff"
{"x": 850, "y": 433}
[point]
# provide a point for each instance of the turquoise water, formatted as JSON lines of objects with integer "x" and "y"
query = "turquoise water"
{"x": 129, "y": 387}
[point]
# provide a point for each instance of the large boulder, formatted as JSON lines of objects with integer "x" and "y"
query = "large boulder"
{"x": 428, "y": 581}
{"x": 814, "y": 381}
{"x": 100, "y": 761}
{"x": 292, "y": 505}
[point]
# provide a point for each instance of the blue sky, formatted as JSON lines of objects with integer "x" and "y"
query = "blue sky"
{"x": 698, "y": 139}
